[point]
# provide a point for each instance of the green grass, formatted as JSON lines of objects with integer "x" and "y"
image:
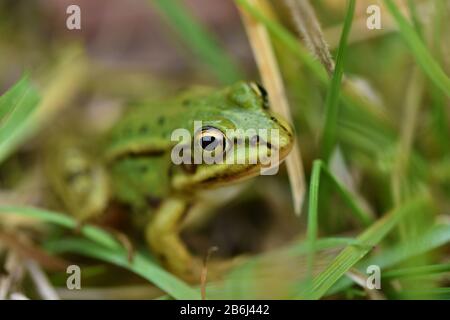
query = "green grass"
{"x": 201, "y": 42}
{"x": 313, "y": 205}
{"x": 332, "y": 100}
{"x": 313, "y": 208}
{"x": 439, "y": 111}
{"x": 436, "y": 237}
{"x": 398, "y": 227}
{"x": 288, "y": 40}
{"x": 417, "y": 272}
{"x": 251, "y": 279}
{"x": 25, "y": 109}
{"x": 101, "y": 245}
{"x": 17, "y": 107}
{"x": 354, "y": 253}
{"x": 356, "y": 108}
{"x": 350, "y": 98}
{"x": 423, "y": 57}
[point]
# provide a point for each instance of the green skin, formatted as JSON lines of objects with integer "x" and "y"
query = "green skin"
{"x": 137, "y": 157}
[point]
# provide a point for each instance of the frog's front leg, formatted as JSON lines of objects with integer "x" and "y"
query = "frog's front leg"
{"x": 163, "y": 236}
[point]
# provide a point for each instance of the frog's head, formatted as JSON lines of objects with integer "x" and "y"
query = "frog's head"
{"x": 236, "y": 136}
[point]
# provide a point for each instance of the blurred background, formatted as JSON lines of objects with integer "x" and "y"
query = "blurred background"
{"x": 392, "y": 143}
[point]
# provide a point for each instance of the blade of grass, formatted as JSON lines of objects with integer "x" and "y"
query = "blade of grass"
{"x": 16, "y": 108}
{"x": 332, "y": 102}
{"x": 439, "y": 113}
{"x": 31, "y": 109}
{"x": 140, "y": 265}
{"x": 302, "y": 248}
{"x": 278, "y": 267}
{"x": 364, "y": 217}
{"x": 318, "y": 167}
{"x": 421, "y": 271}
{"x": 423, "y": 57}
{"x": 434, "y": 238}
{"x": 239, "y": 274}
{"x": 312, "y": 227}
{"x": 431, "y": 294}
{"x": 352, "y": 254}
{"x": 95, "y": 234}
{"x": 415, "y": 18}
{"x": 11, "y": 99}
{"x": 401, "y": 173}
{"x": 104, "y": 246}
{"x": 313, "y": 203}
{"x": 200, "y": 40}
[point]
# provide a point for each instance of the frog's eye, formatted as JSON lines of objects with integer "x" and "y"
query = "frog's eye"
{"x": 211, "y": 140}
{"x": 261, "y": 92}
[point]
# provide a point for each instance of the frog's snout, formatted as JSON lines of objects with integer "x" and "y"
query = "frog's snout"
{"x": 286, "y": 136}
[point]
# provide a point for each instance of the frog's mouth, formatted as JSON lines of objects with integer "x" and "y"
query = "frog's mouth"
{"x": 218, "y": 175}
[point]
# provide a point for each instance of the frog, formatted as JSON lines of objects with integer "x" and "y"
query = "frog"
{"x": 135, "y": 162}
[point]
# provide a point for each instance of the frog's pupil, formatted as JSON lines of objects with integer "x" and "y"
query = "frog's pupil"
{"x": 208, "y": 143}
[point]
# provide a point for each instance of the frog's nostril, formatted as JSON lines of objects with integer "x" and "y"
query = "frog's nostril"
{"x": 283, "y": 125}
{"x": 208, "y": 142}
{"x": 255, "y": 140}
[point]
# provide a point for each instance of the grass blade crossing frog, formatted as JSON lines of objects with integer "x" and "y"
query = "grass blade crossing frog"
{"x": 141, "y": 173}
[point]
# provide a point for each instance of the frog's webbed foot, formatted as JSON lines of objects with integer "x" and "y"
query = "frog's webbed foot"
{"x": 162, "y": 234}
{"x": 163, "y": 237}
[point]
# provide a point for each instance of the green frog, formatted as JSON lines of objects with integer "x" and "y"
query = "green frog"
{"x": 138, "y": 162}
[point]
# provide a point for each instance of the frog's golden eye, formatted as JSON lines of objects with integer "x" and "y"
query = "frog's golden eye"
{"x": 262, "y": 92}
{"x": 211, "y": 140}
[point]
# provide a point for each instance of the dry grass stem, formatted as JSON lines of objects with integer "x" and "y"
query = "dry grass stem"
{"x": 308, "y": 27}
{"x": 41, "y": 282}
{"x": 271, "y": 77}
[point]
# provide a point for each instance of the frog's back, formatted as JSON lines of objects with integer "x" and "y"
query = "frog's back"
{"x": 138, "y": 148}
{"x": 147, "y": 128}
